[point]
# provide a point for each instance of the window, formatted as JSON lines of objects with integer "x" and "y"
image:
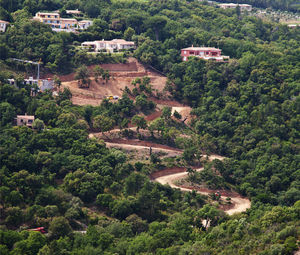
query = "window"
{"x": 184, "y": 52}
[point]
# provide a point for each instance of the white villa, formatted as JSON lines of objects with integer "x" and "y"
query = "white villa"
{"x": 110, "y": 46}
{"x": 243, "y": 7}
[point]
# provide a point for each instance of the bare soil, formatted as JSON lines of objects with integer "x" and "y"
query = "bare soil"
{"x": 121, "y": 76}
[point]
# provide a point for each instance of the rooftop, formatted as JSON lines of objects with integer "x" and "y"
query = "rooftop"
{"x": 28, "y": 117}
{"x": 3, "y": 21}
{"x": 201, "y": 48}
{"x": 68, "y": 19}
{"x": 73, "y": 11}
{"x": 232, "y": 4}
{"x": 84, "y": 21}
{"x": 47, "y": 13}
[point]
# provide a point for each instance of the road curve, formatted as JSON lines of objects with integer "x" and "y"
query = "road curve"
{"x": 240, "y": 204}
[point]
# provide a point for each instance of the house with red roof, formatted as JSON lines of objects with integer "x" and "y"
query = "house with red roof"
{"x": 205, "y": 53}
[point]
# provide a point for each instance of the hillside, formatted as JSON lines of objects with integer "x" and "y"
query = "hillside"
{"x": 122, "y": 76}
{"x": 195, "y": 156}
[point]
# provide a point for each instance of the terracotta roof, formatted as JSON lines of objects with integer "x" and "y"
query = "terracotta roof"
{"x": 201, "y": 48}
{"x": 3, "y": 21}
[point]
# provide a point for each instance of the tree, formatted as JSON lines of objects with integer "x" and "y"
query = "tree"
{"x": 57, "y": 82}
{"x": 38, "y": 125}
{"x": 59, "y": 226}
{"x": 105, "y": 76}
{"x": 210, "y": 214}
{"x": 104, "y": 200}
{"x": 98, "y": 71}
{"x": 103, "y": 123}
{"x": 177, "y": 115}
{"x": 157, "y": 23}
{"x": 7, "y": 113}
{"x": 139, "y": 121}
{"x": 82, "y": 75}
{"x": 166, "y": 113}
{"x": 129, "y": 32}
{"x": 137, "y": 224}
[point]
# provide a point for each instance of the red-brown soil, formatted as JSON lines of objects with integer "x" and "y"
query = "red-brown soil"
{"x": 122, "y": 75}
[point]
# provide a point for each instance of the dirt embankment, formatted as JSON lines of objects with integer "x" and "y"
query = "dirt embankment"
{"x": 122, "y": 75}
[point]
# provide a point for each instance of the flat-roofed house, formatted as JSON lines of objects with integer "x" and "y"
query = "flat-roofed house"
{"x": 123, "y": 44}
{"x": 203, "y": 53}
{"x": 61, "y": 24}
{"x": 3, "y": 25}
{"x": 25, "y": 120}
{"x": 90, "y": 46}
{"x": 110, "y": 46}
{"x": 76, "y": 13}
{"x": 243, "y": 7}
{"x": 84, "y": 24}
{"x": 68, "y": 24}
{"x": 50, "y": 18}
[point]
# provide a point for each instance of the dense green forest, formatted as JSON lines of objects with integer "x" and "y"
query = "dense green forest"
{"x": 247, "y": 110}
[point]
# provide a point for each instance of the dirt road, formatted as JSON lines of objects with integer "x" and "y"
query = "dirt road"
{"x": 145, "y": 149}
{"x": 240, "y": 204}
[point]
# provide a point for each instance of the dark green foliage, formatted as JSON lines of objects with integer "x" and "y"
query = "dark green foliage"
{"x": 247, "y": 109}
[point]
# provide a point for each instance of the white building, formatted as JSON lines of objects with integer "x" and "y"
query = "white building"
{"x": 61, "y": 24}
{"x": 243, "y": 7}
{"x": 74, "y": 13}
{"x": 110, "y": 46}
{"x": 3, "y": 25}
{"x": 42, "y": 84}
{"x": 24, "y": 120}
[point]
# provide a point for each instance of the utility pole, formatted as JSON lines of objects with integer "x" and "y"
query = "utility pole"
{"x": 31, "y": 62}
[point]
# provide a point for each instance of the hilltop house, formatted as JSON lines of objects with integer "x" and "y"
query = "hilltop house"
{"x": 110, "y": 46}
{"x": 203, "y": 53}
{"x": 25, "y": 120}
{"x": 74, "y": 13}
{"x": 61, "y": 24}
{"x": 3, "y": 25}
{"x": 243, "y": 7}
{"x": 42, "y": 84}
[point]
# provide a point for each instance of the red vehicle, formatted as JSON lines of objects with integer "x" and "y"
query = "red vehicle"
{"x": 218, "y": 195}
{"x": 40, "y": 229}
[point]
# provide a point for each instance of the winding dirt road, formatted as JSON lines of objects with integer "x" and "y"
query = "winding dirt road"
{"x": 240, "y": 204}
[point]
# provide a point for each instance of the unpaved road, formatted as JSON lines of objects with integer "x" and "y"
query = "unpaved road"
{"x": 240, "y": 204}
{"x": 145, "y": 149}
